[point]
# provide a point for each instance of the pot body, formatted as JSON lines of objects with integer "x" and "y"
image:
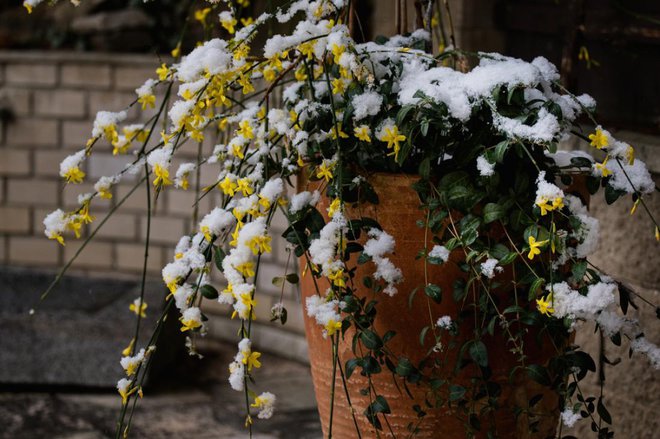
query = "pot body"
{"x": 398, "y": 212}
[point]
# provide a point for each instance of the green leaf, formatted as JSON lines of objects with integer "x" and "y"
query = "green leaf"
{"x": 534, "y": 288}
{"x": 478, "y": 353}
{"x": 219, "y": 257}
{"x": 425, "y": 168}
{"x": 500, "y": 150}
{"x": 351, "y": 365}
{"x": 404, "y": 367}
{"x": 602, "y": 412}
{"x": 278, "y": 281}
{"x": 209, "y": 292}
{"x": 456, "y": 392}
{"x": 434, "y": 292}
{"x": 370, "y": 339}
{"x": 292, "y": 278}
{"x": 539, "y": 374}
{"x": 493, "y": 212}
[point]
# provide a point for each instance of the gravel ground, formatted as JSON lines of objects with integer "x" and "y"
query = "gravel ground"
{"x": 192, "y": 400}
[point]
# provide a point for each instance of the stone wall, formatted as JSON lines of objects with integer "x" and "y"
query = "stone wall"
{"x": 49, "y": 101}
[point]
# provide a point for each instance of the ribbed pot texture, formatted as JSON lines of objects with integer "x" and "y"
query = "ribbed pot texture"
{"x": 397, "y": 213}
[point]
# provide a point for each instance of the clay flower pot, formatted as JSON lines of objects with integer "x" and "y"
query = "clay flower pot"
{"x": 397, "y": 213}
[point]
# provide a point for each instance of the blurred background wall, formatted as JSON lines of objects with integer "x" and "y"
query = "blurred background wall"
{"x": 56, "y": 75}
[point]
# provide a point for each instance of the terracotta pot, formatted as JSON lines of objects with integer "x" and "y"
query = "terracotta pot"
{"x": 397, "y": 213}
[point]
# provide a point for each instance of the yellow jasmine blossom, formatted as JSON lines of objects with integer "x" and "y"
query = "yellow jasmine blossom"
{"x": 189, "y": 324}
{"x": 337, "y": 51}
{"x": 300, "y": 74}
{"x": 244, "y": 82}
{"x": 270, "y": 74}
{"x": 602, "y": 168}
{"x": 245, "y": 129}
{"x": 128, "y": 349}
{"x": 534, "y": 247}
{"x": 176, "y": 51}
{"x": 58, "y": 237}
{"x": 657, "y": 233}
{"x": 598, "y": 139}
{"x": 234, "y": 235}
{"x": 244, "y": 185}
{"x": 544, "y": 305}
{"x": 246, "y": 269}
{"x": 75, "y": 224}
{"x": 393, "y": 137}
{"x": 163, "y": 72}
{"x": 84, "y": 213}
{"x": 251, "y": 359}
{"x": 200, "y": 14}
{"x": 74, "y": 175}
{"x": 630, "y": 155}
{"x": 362, "y": 132}
{"x": 337, "y": 131}
{"x": 337, "y": 278}
{"x": 335, "y": 206}
{"x": 544, "y": 205}
{"x": 162, "y": 176}
{"x": 247, "y": 21}
{"x": 28, "y": 7}
{"x": 147, "y": 100}
{"x": 260, "y": 244}
{"x": 338, "y": 86}
{"x": 307, "y": 49}
{"x": 332, "y": 327}
{"x": 229, "y": 24}
{"x": 105, "y": 193}
{"x": 325, "y": 171}
{"x": 633, "y": 209}
{"x": 558, "y": 203}
{"x": 237, "y": 150}
{"x": 228, "y": 186}
{"x": 206, "y": 232}
{"x": 261, "y": 113}
{"x": 140, "y": 310}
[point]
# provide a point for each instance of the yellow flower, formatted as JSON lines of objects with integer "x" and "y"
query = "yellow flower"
{"x": 237, "y": 150}
{"x": 229, "y": 24}
{"x": 558, "y": 203}
{"x": 251, "y": 359}
{"x": 300, "y": 74}
{"x": 534, "y": 247}
{"x": 260, "y": 244}
{"x": 270, "y": 74}
{"x": 58, "y": 237}
{"x": 325, "y": 171}
{"x": 148, "y": 100}
{"x": 28, "y": 7}
{"x": 141, "y": 311}
{"x": 200, "y": 15}
{"x": 602, "y": 168}
{"x": 362, "y": 132}
{"x": 599, "y": 139}
{"x": 337, "y": 131}
{"x": 633, "y": 209}
{"x": 74, "y": 175}
{"x": 630, "y": 155}
{"x": 163, "y": 72}
{"x": 206, "y": 232}
{"x": 189, "y": 325}
{"x": 244, "y": 82}
{"x": 337, "y": 51}
{"x": 544, "y": 305}
{"x": 228, "y": 186}
{"x": 307, "y": 49}
{"x": 176, "y": 51}
{"x": 244, "y": 185}
{"x": 337, "y": 278}
{"x": 246, "y": 269}
{"x": 162, "y": 176}
{"x": 338, "y": 86}
{"x": 335, "y": 206}
{"x": 128, "y": 349}
{"x": 75, "y": 224}
{"x": 245, "y": 129}
{"x": 544, "y": 205}
{"x": 247, "y": 21}
{"x": 392, "y": 137}
{"x": 332, "y": 327}
{"x": 84, "y": 213}
{"x": 241, "y": 52}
